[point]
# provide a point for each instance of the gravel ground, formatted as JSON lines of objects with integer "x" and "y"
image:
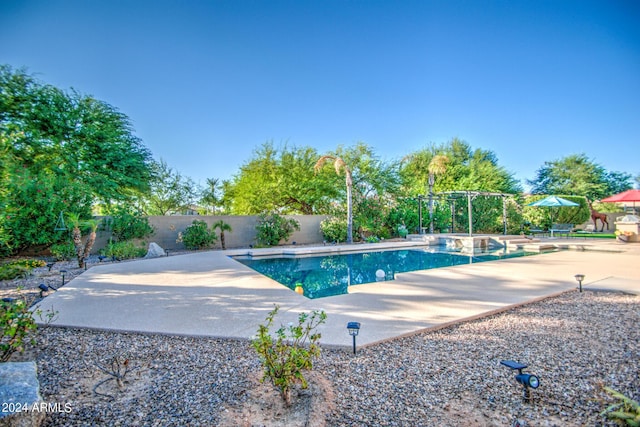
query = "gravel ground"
{"x": 575, "y": 343}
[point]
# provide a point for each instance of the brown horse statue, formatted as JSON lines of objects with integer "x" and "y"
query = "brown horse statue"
{"x": 595, "y": 216}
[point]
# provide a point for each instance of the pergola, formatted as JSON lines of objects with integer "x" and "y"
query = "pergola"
{"x": 470, "y": 195}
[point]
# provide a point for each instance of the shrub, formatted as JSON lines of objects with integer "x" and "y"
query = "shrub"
{"x": 127, "y": 225}
{"x": 625, "y": 412}
{"x": 198, "y": 235}
{"x": 16, "y": 321}
{"x": 287, "y": 355}
{"x": 272, "y": 228}
{"x": 124, "y": 250}
{"x": 63, "y": 251}
{"x": 334, "y": 229}
{"x": 19, "y": 268}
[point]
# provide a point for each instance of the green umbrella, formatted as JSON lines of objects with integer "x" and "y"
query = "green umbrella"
{"x": 553, "y": 202}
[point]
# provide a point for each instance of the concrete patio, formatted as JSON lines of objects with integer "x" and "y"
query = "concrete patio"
{"x": 210, "y": 294}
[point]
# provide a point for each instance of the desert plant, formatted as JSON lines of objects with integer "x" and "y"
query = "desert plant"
{"x": 198, "y": 235}
{"x": 76, "y": 235}
{"x": 93, "y": 226}
{"x": 16, "y": 322}
{"x": 338, "y": 164}
{"x": 334, "y": 229}
{"x": 19, "y": 268}
{"x": 127, "y": 225}
{"x": 292, "y": 350}
{"x": 62, "y": 251}
{"x": 117, "y": 367}
{"x": 223, "y": 226}
{"x": 625, "y": 412}
{"x": 272, "y": 228}
{"x": 123, "y": 250}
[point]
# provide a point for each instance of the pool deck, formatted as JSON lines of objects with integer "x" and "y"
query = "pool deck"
{"x": 209, "y": 294}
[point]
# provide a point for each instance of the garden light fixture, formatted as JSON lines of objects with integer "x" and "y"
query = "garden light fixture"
{"x": 43, "y": 288}
{"x": 63, "y": 272}
{"x": 50, "y": 264}
{"x": 528, "y": 381}
{"x": 354, "y": 329}
{"x": 579, "y": 278}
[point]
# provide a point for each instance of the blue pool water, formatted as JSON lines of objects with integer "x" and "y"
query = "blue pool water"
{"x": 329, "y": 275}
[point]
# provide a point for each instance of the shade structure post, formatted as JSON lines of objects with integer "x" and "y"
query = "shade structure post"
{"x": 470, "y": 213}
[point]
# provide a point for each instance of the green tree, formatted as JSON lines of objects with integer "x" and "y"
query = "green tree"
{"x": 437, "y": 166}
{"x": 277, "y": 180}
{"x": 466, "y": 169}
{"x": 169, "y": 192}
{"x": 222, "y": 226}
{"x": 62, "y": 152}
{"x": 339, "y": 165}
{"x": 580, "y": 176}
{"x": 210, "y": 196}
{"x": 374, "y": 185}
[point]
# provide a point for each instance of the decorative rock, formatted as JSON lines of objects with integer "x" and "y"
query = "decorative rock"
{"x": 155, "y": 251}
{"x": 19, "y": 393}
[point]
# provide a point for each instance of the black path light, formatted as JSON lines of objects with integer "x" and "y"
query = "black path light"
{"x": 63, "y": 273}
{"x": 528, "y": 381}
{"x": 579, "y": 278}
{"x": 50, "y": 264}
{"x": 354, "y": 329}
{"x": 43, "y": 288}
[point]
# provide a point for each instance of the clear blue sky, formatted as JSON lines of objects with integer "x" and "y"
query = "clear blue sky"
{"x": 206, "y": 82}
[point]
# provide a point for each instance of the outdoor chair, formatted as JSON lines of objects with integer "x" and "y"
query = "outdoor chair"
{"x": 561, "y": 229}
{"x": 537, "y": 229}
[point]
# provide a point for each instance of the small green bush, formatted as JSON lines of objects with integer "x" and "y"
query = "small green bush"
{"x": 124, "y": 250}
{"x": 272, "y": 228}
{"x": 127, "y": 225}
{"x": 16, "y": 321}
{"x": 334, "y": 229}
{"x": 198, "y": 236}
{"x": 63, "y": 251}
{"x": 31, "y": 263}
{"x": 285, "y": 357}
{"x": 19, "y": 268}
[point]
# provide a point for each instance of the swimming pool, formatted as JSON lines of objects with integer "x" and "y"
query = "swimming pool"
{"x": 328, "y": 275}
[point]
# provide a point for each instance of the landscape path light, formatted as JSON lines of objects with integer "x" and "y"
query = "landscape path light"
{"x": 528, "y": 381}
{"x": 63, "y": 273}
{"x": 354, "y": 329}
{"x": 43, "y": 288}
{"x": 579, "y": 278}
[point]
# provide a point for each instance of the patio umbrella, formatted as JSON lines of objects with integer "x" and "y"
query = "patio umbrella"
{"x": 552, "y": 202}
{"x": 624, "y": 197}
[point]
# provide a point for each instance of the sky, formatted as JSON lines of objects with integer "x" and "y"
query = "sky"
{"x": 205, "y": 83}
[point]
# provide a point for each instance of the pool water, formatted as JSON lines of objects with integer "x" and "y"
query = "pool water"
{"x": 330, "y": 275}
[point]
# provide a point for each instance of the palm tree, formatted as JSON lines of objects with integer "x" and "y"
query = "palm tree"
{"x": 93, "y": 226}
{"x": 437, "y": 166}
{"x": 223, "y": 226}
{"x": 338, "y": 164}
{"x": 76, "y": 235}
